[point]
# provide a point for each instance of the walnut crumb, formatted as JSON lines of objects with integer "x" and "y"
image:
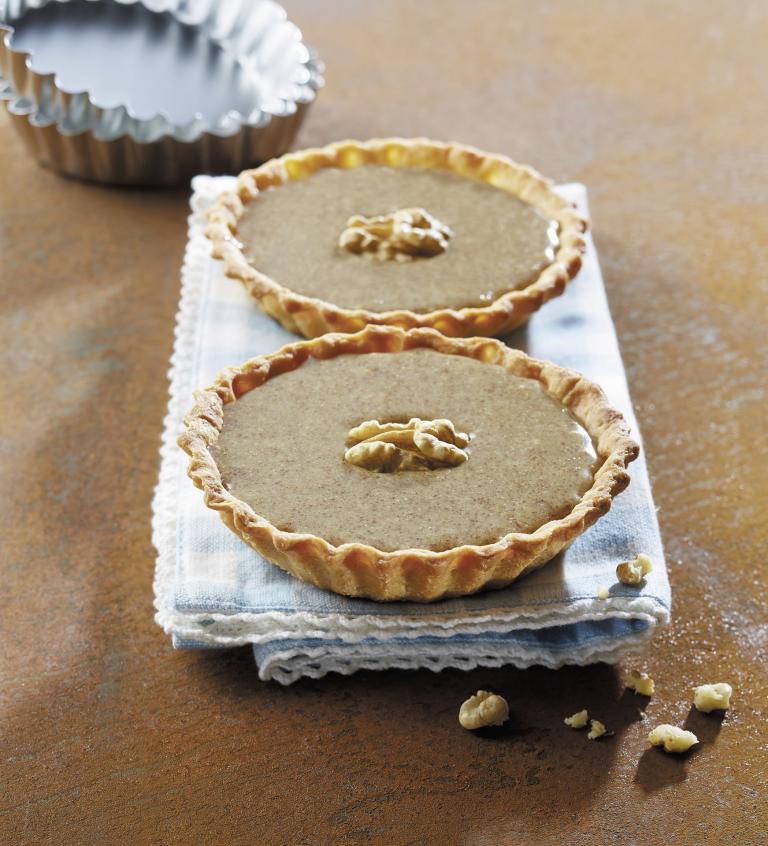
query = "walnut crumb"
{"x": 712, "y": 697}
{"x": 633, "y": 572}
{"x": 577, "y": 720}
{"x": 596, "y": 730}
{"x": 483, "y": 709}
{"x": 602, "y": 592}
{"x": 672, "y": 738}
{"x": 641, "y": 683}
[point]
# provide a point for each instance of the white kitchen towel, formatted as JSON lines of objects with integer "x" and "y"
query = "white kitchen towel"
{"x": 214, "y": 591}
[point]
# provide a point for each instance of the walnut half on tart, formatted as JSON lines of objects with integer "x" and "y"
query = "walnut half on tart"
{"x": 398, "y": 232}
{"x": 398, "y": 464}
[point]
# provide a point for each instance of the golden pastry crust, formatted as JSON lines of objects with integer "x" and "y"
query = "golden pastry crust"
{"x": 356, "y": 569}
{"x": 312, "y": 317}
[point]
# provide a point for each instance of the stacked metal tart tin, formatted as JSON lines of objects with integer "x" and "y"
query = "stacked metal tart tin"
{"x": 150, "y": 92}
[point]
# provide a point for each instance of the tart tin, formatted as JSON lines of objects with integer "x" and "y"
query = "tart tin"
{"x": 150, "y": 92}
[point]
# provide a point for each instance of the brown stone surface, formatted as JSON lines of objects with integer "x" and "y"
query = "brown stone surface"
{"x": 108, "y": 736}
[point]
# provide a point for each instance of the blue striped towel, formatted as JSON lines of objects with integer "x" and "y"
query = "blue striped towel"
{"x": 214, "y": 591}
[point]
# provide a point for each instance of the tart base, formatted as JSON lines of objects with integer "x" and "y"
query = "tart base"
{"x": 354, "y": 569}
{"x": 313, "y": 317}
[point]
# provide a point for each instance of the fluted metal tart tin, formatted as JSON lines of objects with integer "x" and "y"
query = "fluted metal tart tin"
{"x": 150, "y": 92}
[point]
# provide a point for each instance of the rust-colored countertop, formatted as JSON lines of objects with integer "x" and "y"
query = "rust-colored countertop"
{"x": 109, "y": 736}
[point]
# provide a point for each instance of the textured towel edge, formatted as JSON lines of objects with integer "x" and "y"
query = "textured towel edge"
{"x": 163, "y": 503}
{"x": 293, "y": 664}
{"x": 224, "y": 630}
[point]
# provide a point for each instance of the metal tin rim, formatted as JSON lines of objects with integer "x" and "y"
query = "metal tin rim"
{"x": 41, "y": 98}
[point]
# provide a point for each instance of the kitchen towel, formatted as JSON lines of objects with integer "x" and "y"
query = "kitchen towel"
{"x": 211, "y": 590}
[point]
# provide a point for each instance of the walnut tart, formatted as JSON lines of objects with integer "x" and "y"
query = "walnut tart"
{"x": 403, "y": 464}
{"x": 397, "y": 232}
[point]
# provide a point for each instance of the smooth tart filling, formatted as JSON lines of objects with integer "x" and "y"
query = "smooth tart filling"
{"x": 382, "y": 239}
{"x": 283, "y": 448}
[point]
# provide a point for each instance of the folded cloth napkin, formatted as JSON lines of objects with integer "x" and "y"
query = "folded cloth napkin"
{"x": 214, "y": 591}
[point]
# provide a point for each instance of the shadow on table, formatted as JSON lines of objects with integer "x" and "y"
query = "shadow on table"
{"x": 396, "y": 733}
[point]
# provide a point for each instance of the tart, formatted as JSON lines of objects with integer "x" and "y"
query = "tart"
{"x": 405, "y": 465}
{"x": 397, "y": 232}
